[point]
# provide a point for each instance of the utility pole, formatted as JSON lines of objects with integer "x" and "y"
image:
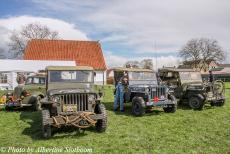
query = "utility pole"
{"x": 155, "y": 48}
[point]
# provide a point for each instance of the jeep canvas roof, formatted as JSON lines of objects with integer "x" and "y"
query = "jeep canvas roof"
{"x": 132, "y": 69}
{"x": 177, "y": 70}
{"x": 70, "y": 68}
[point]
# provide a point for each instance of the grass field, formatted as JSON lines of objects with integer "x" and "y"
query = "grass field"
{"x": 185, "y": 131}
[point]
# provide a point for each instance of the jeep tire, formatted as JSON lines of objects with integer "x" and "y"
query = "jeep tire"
{"x": 46, "y": 127}
{"x": 138, "y": 108}
{"x": 101, "y": 124}
{"x": 196, "y": 103}
{"x": 172, "y": 107}
{"x": 36, "y": 105}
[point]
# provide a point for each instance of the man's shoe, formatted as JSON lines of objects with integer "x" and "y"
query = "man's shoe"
{"x": 122, "y": 110}
{"x": 115, "y": 109}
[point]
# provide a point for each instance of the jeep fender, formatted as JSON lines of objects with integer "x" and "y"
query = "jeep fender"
{"x": 29, "y": 99}
{"x": 172, "y": 98}
{"x": 36, "y": 94}
{"x": 199, "y": 96}
{"x": 140, "y": 98}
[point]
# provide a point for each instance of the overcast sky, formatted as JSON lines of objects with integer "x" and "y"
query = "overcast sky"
{"x": 127, "y": 29}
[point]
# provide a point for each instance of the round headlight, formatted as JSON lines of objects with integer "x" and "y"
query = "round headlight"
{"x": 56, "y": 98}
{"x": 91, "y": 98}
{"x": 167, "y": 90}
{"x": 147, "y": 90}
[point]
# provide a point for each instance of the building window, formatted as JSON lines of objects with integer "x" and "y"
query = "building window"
{"x": 3, "y": 78}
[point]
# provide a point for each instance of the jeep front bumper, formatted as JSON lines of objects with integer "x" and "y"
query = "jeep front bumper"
{"x": 162, "y": 103}
{"x": 17, "y": 104}
{"x": 215, "y": 99}
{"x": 79, "y": 119}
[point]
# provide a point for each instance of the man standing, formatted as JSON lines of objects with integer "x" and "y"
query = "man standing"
{"x": 119, "y": 96}
{"x": 211, "y": 77}
{"x": 20, "y": 88}
{"x": 21, "y": 79}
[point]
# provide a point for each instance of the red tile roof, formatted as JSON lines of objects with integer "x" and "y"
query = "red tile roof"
{"x": 84, "y": 53}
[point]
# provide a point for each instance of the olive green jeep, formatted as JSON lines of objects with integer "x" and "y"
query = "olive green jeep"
{"x": 71, "y": 100}
{"x": 144, "y": 91}
{"x": 28, "y": 95}
{"x": 35, "y": 82}
{"x": 188, "y": 87}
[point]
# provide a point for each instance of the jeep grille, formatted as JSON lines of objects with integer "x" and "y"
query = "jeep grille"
{"x": 158, "y": 92}
{"x": 81, "y": 100}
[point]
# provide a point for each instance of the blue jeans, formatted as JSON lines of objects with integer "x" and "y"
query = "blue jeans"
{"x": 119, "y": 97}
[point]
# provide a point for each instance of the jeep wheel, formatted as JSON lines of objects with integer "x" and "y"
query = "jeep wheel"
{"x": 212, "y": 103}
{"x": 196, "y": 103}
{"x": 137, "y": 106}
{"x": 36, "y": 106}
{"x": 46, "y": 127}
{"x": 171, "y": 108}
{"x": 8, "y": 108}
{"x": 101, "y": 124}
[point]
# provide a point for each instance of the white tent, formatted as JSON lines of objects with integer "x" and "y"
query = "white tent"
{"x": 31, "y": 65}
{"x": 9, "y": 69}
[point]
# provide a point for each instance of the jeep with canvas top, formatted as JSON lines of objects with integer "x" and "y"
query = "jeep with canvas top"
{"x": 144, "y": 91}
{"x": 71, "y": 100}
{"x": 188, "y": 87}
{"x": 28, "y": 95}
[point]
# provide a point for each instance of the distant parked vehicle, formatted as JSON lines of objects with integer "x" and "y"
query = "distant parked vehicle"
{"x": 188, "y": 87}
{"x": 28, "y": 95}
{"x": 35, "y": 82}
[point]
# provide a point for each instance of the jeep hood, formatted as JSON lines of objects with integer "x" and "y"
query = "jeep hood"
{"x": 56, "y": 88}
{"x": 139, "y": 82}
{"x": 68, "y": 91}
{"x": 194, "y": 83}
{"x": 68, "y": 85}
{"x": 143, "y": 85}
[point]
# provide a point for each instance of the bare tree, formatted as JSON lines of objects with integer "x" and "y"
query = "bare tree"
{"x": 147, "y": 64}
{"x": 132, "y": 64}
{"x": 28, "y": 32}
{"x": 199, "y": 52}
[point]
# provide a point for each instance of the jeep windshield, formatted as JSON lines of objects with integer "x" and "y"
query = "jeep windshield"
{"x": 142, "y": 78}
{"x": 71, "y": 76}
{"x": 190, "y": 77}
